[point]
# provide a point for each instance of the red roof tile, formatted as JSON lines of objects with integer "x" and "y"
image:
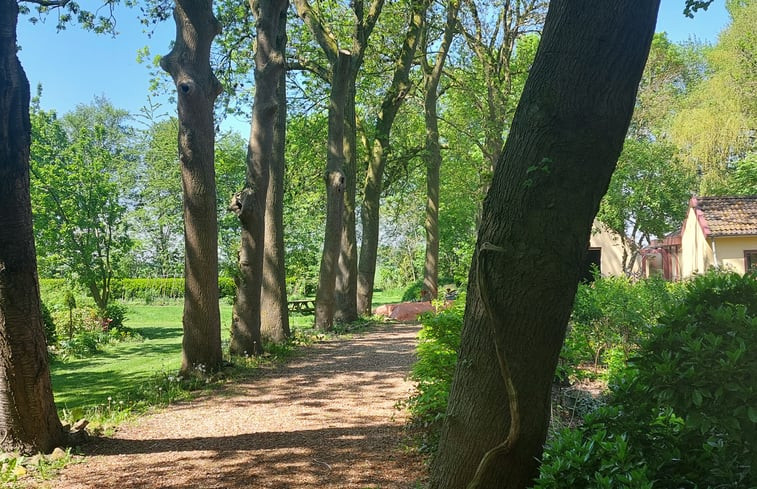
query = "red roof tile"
{"x": 728, "y": 216}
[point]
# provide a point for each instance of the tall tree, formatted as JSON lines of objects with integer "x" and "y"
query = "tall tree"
{"x": 563, "y": 144}
{"x": 343, "y": 67}
{"x": 648, "y": 193}
{"x": 493, "y": 33}
{"x": 715, "y": 125}
{"x": 157, "y": 217}
{"x": 28, "y": 418}
{"x": 274, "y": 320}
{"x": 81, "y": 167}
{"x": 432, "y": 69}
{"x": 250, "y": 204}
{"x": 378, "y": 152}
{"x": 188, "y": 63}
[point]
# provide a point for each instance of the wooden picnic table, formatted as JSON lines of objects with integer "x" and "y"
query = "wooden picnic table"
{"x": 303, "y": 306}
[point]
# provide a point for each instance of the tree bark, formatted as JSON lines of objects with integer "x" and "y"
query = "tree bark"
{"x": 250, "y": 204}
{"x": 28, "y": 419}
{"x": 433, "y": 154}
{"x": 346, "y": 279}
{"x": 325, "y": 296}
{"x": 344, "y": 72}
{"x": 188, "y": 63}
{"x": 274, "y": 314}
{"x": 372, "y": 188}
{"x": 564, "y": 143}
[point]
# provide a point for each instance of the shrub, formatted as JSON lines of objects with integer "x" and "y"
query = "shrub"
{"x": 413, "y": 292}
{"x": 683, "y": 414}
{"x": 150, "y": 289}
{"x": 49, "y": 325}
{"x": 610, "y": 317}
{"x": 113, "y": 316}
{"x": 437, "y": 356}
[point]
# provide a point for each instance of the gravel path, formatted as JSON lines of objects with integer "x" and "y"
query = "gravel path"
{"x": 326, "y": 419}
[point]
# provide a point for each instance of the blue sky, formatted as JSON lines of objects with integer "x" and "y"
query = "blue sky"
{"x": 74, "y": 66}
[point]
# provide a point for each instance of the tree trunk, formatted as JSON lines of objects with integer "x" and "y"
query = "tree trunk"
{"x": 250, "y": 204}
{"x": 189, "y": 65}
{"x": 346, "y": 279}
{"x": 28, "y": 418}
{"x": 274, "y": 314}
{"x": 324, "y": 299}
{"x": 393, "y": 99}
{"x": 564, "y": 143}
{"x": 433, "y": 153}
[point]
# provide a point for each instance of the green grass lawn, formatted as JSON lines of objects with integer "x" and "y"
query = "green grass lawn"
{"x": 121, "y": 369}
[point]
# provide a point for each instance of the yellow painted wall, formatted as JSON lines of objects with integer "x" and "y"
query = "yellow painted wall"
{"x": 729, "y": 251}
{"x": 696, "y": 254}
{"x": 612, "y": 251}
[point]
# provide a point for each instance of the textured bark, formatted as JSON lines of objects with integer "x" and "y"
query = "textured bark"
{"x": 274, "y": 315}
{"x": 250, "y": 204}
{"x": 344, "y": 66}
{"x": 324, "y": 298}
{"x": 433, "y": 156}
{"x": 564, "y": 143}
{"x": 346, "y": 278}
{"x": 188, "y": 63}
{"x": 28, "y": 418}
{"x": 372, "y": 188}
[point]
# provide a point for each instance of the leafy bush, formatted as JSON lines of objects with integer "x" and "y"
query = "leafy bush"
{"x": 437, "y": 355}
{"x": 413, "y": 292}
{"x": 684, "y": 414}
{"x": 150, "y": 289}
{"x": 610, "y": 317}
{"x": 85, "y": 330}
{"x": 49, "y": 324}
{"x": 113, "y": 316}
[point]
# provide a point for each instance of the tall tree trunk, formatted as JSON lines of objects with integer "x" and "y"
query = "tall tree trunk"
{"x": 433, "y": 152}
{"x": 274, "y": 315}
{"x": 28, "y": 418}
{"x": 325, "y": 299}
{"x": 344, "y": 67}
{"x": 188, "y": 63}
{"x": 249, "y": 205}
{"x": 372, "y": 188}
{"x": 564, "y": 143}
{"x": 346, "y": 279}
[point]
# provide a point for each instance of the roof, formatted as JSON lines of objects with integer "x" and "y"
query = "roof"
{"x": 726, "y": 216}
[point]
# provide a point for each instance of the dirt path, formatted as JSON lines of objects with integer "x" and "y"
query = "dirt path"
{"x": 324, "y": 420}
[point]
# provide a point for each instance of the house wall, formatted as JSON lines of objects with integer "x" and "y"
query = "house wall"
{"x": 612, "y": 251}
{"x": 729, "y": 251}
{"x": 696, "y": 253}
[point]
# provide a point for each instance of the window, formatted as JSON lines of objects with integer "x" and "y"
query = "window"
{"x": 750, "y": 260}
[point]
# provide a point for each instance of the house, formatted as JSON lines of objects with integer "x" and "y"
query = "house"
{"x": 607, "y": 251}
{"x": 717, "y": 232}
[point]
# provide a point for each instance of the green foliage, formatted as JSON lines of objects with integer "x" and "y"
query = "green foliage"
{"x": 152, "y": 289}
{"x": 648, "y": 193}
{"x": 682, "y": 415}
{"x": 715, "y": 124}
{"x": 16, "y": 470}
{"x": 413, "y": 292}
{"x": 437, "y": 355}
{"x": 610, "y": 317}
{"x": 80, "y": 170}
{"x": 49, "y": 323}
